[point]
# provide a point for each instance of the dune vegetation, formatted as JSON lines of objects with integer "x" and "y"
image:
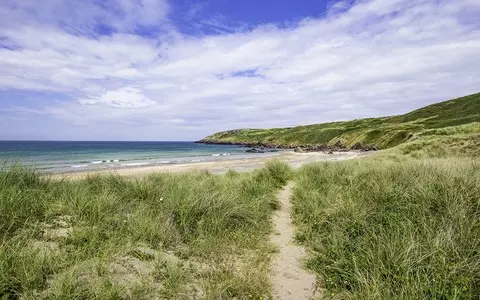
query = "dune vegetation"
{"x": 165, "y": 236}
{"x": 454, "y": 141}
{"x": 381, "y": 133}
{"x": 380, "y": 228}
{"x": 403, "y": 223}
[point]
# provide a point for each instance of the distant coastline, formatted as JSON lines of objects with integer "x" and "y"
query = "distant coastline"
{"x": 360, "y": 134}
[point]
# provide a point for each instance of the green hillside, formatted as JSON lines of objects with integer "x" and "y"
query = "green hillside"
{"x": 385, "y": 132}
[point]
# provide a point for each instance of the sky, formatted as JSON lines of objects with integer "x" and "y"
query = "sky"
{"x": 183, "y": 69}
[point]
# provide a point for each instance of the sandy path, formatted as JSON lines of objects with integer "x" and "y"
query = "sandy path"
{"x": 289, "y": 279}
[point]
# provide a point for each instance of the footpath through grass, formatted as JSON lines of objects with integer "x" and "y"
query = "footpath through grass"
{"x": 166, "y": 236}
{"x": 389, "y": 227}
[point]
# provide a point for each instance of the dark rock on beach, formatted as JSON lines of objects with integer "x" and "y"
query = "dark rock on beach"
{"x": 318, "y": 148}
{"x": 253, "y": 150}
{"x": 299, "y": 150}
{"x": 359, "y": 146}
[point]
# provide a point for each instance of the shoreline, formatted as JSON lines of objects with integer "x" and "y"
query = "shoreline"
{"x": 295, "y": 160}
{"x": 105, "y": 166}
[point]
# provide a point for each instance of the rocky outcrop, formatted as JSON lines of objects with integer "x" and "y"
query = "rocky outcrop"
{"x": 339, "y": 144}
{"x": 261, "y": 150}
{"x": 361, "y": 147}
{"x": 258, "y": 147}
{"x": 299, "y": 150}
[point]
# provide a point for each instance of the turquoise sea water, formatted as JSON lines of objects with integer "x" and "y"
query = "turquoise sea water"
{"x": 62, "y": 156}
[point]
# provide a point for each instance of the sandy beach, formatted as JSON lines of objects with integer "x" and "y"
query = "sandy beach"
{"x": 295, "y": 160}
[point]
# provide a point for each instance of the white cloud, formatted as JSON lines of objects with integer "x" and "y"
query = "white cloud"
{"x": 376, "y": 57}
{"x": 127, "y": 97}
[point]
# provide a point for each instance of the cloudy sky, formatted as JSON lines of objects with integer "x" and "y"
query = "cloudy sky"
{"x": 182, "y": 69}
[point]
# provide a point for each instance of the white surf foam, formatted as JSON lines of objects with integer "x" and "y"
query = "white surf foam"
{"x": 79, "y": 166}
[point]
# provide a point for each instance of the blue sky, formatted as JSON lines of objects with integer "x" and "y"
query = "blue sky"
{"x": 179, "y": 70}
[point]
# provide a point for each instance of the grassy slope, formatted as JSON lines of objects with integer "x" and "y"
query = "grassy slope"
{"x": 383, "y": 228}
{"x": 456, "y": 141}
{"x": 382, "y": 132}
{"x": 166, "y": 236}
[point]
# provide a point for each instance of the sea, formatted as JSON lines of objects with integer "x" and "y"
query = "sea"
{"x": 78, "y": 156}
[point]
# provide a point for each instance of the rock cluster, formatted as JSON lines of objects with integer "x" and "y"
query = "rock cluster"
{"x": 361, "y": 147}
{"x": 258, "y": 147}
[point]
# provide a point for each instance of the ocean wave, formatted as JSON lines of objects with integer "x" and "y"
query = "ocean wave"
{"x": 221, "y": 154}
{"x": 104, "y": 161}
{"x": 79, "y": 166}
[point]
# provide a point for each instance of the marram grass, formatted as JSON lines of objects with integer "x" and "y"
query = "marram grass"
{"x": 165, "y": 236}
{"x": 392, "y": 229}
